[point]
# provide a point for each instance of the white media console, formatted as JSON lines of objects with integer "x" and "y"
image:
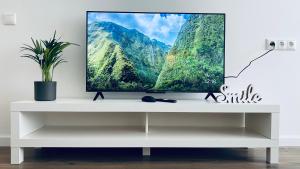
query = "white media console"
{"x": 105, "y": 123}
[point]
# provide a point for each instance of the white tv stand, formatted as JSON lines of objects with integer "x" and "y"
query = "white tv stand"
{"x": 31, "y": 125}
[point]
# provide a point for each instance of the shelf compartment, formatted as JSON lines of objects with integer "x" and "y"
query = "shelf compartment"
{"x": 207, "y": 137}
{"x": 85, "y": 136}
{"x": 113, "y": 136}
{"x": 196, "y": 119}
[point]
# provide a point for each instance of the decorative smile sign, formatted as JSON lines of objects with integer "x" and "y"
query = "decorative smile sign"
{"x": 245, "y": 96}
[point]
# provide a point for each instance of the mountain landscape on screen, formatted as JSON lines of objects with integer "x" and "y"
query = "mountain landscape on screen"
{"x": 125, "y": 55}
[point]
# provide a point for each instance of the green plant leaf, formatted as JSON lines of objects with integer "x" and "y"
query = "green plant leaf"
{"x": 52, "y": 54}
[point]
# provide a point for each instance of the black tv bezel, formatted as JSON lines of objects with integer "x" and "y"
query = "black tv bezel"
{"x": 151, "y": 91}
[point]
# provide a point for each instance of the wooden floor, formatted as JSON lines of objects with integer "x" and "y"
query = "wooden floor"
{"x": 160, "y": 159}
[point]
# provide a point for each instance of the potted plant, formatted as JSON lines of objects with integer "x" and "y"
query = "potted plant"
{"x": 48, "y": 54}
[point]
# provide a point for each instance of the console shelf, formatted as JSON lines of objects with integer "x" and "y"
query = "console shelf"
{"x": 219, "y": 137}
{"x": 93, "y": 136}
{"x": 85, "y": 132}
{"x": 85, "y": 136}
{"x": 151, "y": 125}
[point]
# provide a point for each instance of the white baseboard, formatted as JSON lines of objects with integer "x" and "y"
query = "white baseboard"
{"x": 4, "y": 141}
{"x": 285, "y": 141}
{"x": 289, "y": 141}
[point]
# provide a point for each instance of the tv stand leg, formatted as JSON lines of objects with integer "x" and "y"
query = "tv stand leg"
{"x": 273, "y": 155}
{"x": 211, "y": 95}
{"x": 97, "y": 95}
{"x": 17, "y": 155}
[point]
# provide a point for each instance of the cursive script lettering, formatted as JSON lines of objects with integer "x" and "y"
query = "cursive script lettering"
{"x": 246, "y": 96}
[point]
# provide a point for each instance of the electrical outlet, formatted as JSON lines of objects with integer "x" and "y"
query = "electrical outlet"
{"x": 281, "y": 45}
{"x": 291, "y": 45}
{"x": 269, "y": 42}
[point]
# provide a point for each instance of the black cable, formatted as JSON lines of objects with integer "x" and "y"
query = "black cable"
{"x": 252, "y": 62}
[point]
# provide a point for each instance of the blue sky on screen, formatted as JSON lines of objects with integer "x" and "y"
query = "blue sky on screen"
{"x": 163, "y": 27}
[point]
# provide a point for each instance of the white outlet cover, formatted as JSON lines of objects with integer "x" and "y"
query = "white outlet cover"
{"x": 9, "y": 19}
{"x": 291, "y": 45}
{"x": 268, "y": 42}
{"x": 281, "y": 45}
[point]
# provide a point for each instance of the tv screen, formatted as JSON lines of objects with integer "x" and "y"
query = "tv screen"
{"x": 159, "y": 52}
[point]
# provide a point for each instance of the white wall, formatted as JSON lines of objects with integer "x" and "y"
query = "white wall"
{"x": 248, "y": 24}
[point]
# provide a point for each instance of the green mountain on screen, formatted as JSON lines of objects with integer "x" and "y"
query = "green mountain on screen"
{"x": 196, "y": 57}
{"x": 122, "y": 59}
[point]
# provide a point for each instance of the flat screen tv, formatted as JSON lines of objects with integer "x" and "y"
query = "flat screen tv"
{"x": 155, "y": 52}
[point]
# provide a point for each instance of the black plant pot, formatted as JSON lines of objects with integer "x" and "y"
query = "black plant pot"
{"x": 44, "y": 91}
